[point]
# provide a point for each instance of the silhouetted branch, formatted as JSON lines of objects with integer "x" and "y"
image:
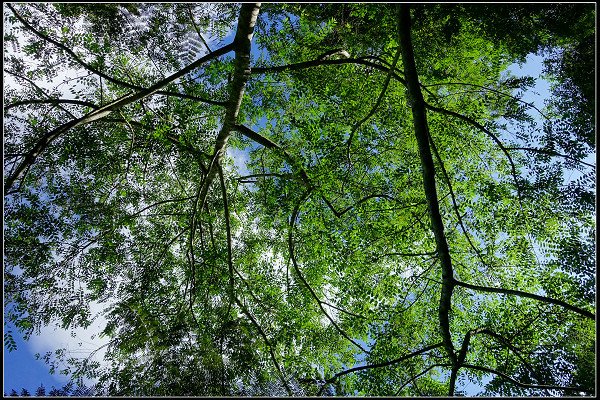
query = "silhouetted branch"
{"x": 232, "y": 283}
{"x": 531, "y": 105}
{"x": 421, "y": 128}
{"x": 382, "y": 364}
{"x": 526, "y": 385}
{"x": 301, "y": 276}
{"x": 551, "y": 153}
{"x": 544, "y": 299}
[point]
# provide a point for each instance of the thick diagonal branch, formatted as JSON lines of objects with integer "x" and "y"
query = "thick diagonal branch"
{"x": 241, "y": 73}
{"x": 321, "y": 61}
{"x": 100, "y": 113}
{"x": 428, "y": 171}
{"x": 462, "y": 355}
{"x": 385, "y": 363}
{"x": 269, "y": 144}
{"x": 241, "y": 44}
{"x": 514, "y": 349}
{"x": 526, "y": 385}
{"x": 93, "y": 70}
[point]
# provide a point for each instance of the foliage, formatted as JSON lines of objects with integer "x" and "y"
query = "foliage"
{"x": 402, "y": 225}
{"x": 67, "y": 390}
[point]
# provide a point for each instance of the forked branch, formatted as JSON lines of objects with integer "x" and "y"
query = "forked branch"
{"x": 232, "y": 285}
{"x": 301, "y": 276}
{"x": 382, "y": 364}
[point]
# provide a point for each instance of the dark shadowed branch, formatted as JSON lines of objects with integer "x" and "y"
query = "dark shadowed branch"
{"x": 428, "y": 171}
{"x": 544, "y": 299}
{"x": 526, "y": 385}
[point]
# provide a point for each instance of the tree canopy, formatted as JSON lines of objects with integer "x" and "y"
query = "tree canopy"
{"x": 303, "y": 199}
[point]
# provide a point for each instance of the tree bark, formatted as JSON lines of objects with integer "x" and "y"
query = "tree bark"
{"x": 242, "y": 45}
{"x": 428, "y": 171}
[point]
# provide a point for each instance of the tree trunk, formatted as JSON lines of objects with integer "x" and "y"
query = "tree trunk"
{"x": 428, "y": 170}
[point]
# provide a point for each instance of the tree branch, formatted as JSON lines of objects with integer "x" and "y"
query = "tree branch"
{"x": 70, "y": 52}
{"x": 345, "y": 210}
{"x": 321, "y": 61}
{"x": 376, "y": 105}
{"x": 428, "y": 171}
{"x": 90, "y": 68}
{"x": 454, "y": 203}
{"x": 100, "y": 113}
{"x": 419, "y": 375}
{"x": 156, "y": 204}
{"x": 431, "y": 253}
{"x": 517, "y": 352}
{"x": 544, "y": 299}
{"x": 50, "y": 101}
{"x": 244, "y": 179}
{"x": 493, "y": 91}
{"x": 258, "y": 138}
{"x": 462, "y": 355}
{"x": 191, "y": 15}
{"x": 344, "y": 311}
{"x": 39, "y": 89}
{"x": 241, "y": 45}
{"x": 383, "y": 364}
{"x": 487, "y": 132}
{"x": 301, "y": 276}
{"x": 21, "y": 169}
{"x": 232, "y": 283}
{"x": 268, "y": 143}
{"x": 551, "y": 153}
{"x": 526, "y": 385}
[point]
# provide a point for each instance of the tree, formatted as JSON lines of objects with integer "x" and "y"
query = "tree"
{"x": 66, "y": 390}
{"x": 403, "y": 226}
{"x": 40, "y": 391}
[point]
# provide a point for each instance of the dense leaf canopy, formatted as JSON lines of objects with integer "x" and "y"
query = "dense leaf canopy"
{"x": 316, "y": 199}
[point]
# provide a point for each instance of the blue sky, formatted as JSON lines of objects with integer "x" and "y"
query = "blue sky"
{"x": 22, "y": 370}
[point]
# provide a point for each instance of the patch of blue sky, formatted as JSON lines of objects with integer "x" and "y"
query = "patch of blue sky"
{"x": 22, "y": 370}
{"x": 539, "y": 95}
{"x": 541, "y": 91}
